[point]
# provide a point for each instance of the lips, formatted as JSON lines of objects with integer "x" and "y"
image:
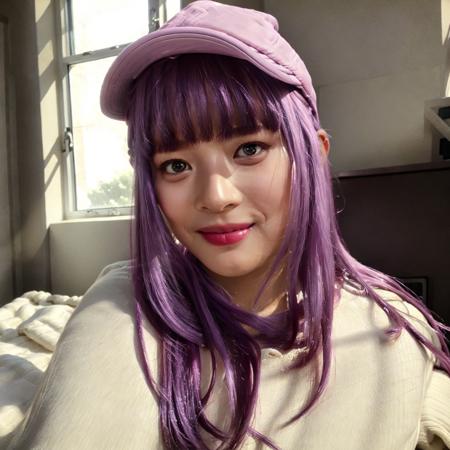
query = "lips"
{"x": 235, "y": 233}
{"x": 225, "y": 228}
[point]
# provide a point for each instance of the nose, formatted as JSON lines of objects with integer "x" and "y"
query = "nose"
{"x": 217, "y": 193}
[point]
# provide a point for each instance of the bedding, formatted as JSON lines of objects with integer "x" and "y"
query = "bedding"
{"x": 30, "y": 327}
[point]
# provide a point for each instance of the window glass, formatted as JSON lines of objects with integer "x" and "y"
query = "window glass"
{"x": 102, "y": 170}
{"x": 98, "y": 24}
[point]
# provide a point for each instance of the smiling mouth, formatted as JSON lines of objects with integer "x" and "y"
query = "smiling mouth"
{"x": 227, "y": 238}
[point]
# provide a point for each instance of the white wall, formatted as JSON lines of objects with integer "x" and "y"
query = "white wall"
{"x": 80, "y": 249}
{"x": 373, "y": 63}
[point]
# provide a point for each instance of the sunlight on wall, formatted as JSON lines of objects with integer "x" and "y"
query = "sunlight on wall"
{"x": 45, "y": 57}
{"x": 47, "y": 68}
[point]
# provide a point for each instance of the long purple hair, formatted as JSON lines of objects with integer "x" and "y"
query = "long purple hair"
{"x": 197, "y": 97}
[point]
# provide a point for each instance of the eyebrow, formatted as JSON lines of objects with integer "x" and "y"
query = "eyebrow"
{"x": 238, "y": 132}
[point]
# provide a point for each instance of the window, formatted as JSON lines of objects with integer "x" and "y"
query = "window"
{"x": 98, "y": 175}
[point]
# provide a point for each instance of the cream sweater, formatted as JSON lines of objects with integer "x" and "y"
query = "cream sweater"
{"x": 381, "y": 395}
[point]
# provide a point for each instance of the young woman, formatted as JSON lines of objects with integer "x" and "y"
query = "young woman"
{"x": 255, "y": 327}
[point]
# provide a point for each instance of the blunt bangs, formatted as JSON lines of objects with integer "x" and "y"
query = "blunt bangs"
{"x": 193, "y": 98}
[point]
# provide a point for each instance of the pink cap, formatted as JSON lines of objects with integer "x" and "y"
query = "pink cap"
{"x": 206, "y": 26}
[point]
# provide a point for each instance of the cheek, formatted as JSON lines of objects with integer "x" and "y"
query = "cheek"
{"x": 173, "y": 203}
{"x": 268, "y": 188}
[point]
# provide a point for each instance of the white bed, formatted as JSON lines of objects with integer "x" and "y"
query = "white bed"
{"x": 30, "y": 327}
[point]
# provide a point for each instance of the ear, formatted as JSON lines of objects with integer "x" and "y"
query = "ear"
{"x": 324, "y": 141}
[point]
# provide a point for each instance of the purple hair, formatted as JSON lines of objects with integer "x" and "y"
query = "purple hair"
{"x": 197, "y": 97}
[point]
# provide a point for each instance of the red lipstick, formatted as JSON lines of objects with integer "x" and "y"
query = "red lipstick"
{"x": 226, "y": 234}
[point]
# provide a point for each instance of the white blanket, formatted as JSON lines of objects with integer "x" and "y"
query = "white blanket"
{"x": 30, "y": 327}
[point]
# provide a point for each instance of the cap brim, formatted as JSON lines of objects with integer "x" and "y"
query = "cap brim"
{"x": 169, "y": 42}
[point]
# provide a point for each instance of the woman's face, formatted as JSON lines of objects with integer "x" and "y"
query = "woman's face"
{"x": 242, "y": 180}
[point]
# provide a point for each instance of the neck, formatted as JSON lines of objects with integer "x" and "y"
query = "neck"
{"x": 243, "y": 290}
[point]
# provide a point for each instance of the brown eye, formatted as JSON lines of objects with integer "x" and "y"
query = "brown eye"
{"x": 175, "y": 166}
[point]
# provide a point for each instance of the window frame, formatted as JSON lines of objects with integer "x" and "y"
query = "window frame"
{"x": 65, "y": 59}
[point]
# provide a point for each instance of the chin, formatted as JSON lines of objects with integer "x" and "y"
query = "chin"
{"x": 229, "y": 269}
{"x": 229, "y": 273}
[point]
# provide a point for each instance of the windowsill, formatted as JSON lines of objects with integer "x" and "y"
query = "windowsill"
{"x": 94, "y": 219}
